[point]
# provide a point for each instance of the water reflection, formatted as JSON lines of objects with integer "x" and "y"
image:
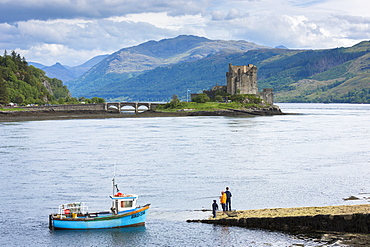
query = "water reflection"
{"x": 127, "y": 236}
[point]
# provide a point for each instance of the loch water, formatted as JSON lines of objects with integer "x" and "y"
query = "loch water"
{"x": 316, "y": 157}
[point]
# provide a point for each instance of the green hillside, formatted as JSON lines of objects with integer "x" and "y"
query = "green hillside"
{"x": 330, "y": 75}
{"x": 335, "y": 75}
{"x": 133, "y": 61}
{"x": 24, "y": 84}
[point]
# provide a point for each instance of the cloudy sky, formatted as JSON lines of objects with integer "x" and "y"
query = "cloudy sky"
{"x": 73, "y": 31}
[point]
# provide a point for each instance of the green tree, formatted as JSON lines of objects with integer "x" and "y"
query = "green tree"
{"x": 19, "y": 99}
{"x": 61, "y": 101}
{"x": 175, "y": 101}
{"x": 4, "y": 92}
{"x": 238, "y": 97}
{"x": 219, "y": 98}
{"x": 97, "y": 100}
{"x": 201, "y": 98}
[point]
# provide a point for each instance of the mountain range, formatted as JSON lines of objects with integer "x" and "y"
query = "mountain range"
{"x": 156, "y": 70}
{"x": 67, "y": 73}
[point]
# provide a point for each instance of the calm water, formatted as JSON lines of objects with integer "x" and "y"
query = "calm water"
{"x": 180, "y": 165}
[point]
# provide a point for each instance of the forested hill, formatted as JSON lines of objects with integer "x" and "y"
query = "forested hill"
{"x": 24, "y": 84}
{"x": 132, "y": 61}
{"x": 340, "y": 75}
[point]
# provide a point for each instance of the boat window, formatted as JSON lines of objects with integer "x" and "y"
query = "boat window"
{"x": 126, "y": 204}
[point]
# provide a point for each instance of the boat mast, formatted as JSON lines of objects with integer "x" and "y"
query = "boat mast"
{"x": 115, "y": 187}
{"x": 114, "y": 179}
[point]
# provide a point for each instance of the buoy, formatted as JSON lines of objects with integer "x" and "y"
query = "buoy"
{"x": 67, "y": 211}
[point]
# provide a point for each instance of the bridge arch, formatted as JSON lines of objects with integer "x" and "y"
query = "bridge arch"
{"x": 127, "y": 108}
{"x": 112, "y": 107}
{"x": 135, "y": 106}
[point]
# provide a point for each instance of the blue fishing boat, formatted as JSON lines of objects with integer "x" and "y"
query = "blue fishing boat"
{"x": 123, "y": 213}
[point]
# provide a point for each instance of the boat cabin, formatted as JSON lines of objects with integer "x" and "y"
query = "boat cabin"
{"x": 123, "y": 202}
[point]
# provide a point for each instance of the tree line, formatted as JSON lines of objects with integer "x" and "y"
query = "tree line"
{"x": 25, "y": 84}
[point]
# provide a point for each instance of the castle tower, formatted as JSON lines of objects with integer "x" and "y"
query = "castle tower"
{"x": 242, "y": 79}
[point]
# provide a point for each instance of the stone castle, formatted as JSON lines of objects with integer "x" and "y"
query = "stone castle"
{"x": 242, "y": 80}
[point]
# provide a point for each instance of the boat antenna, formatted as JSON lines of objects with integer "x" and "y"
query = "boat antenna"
{"x": 115, "y": 186}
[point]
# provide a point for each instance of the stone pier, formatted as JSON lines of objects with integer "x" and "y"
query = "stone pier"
{"x": 349, "y": 219}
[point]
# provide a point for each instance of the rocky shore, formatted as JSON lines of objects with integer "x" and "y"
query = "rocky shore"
{"x": 343, "y": 225}
{"x": 12, "y": 116}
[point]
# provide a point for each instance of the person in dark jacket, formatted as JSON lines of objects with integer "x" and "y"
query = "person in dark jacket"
{"x": 214, "y": 208}
{"x": 228, "y": 199}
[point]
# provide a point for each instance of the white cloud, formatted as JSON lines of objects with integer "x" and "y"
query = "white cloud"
{"x": 99, "y": 36}
{"x": 46, "y": 54}
{"x": 162, "y": 20}
{"x": 234, "y": 14}
{"x": 72, "y": 31}
{"x": 217, "y": 15}
{"x": 346, "y": 7}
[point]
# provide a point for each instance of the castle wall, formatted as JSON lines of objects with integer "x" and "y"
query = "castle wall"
{"x": 242, "y": 79}
{"x": 267, "y": 95}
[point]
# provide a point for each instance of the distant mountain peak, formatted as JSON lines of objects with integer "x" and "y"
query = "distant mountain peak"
{"x": 58, "y": 65}
{"x": 281, "y": 47}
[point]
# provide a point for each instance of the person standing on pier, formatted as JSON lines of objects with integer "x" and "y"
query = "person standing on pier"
{"x": 223, "y": 201}
{"x": 214, "y": 208}
{"x": 228, "y": 199}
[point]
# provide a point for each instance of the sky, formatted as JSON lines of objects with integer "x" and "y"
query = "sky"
{"x": 73, "y": 31}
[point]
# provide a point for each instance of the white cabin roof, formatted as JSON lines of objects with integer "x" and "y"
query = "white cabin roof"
{"x": 122, "y": 196}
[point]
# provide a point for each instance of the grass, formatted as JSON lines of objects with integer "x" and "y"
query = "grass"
{"x": 12, "y": 109}
{"x": 208, "y": 106}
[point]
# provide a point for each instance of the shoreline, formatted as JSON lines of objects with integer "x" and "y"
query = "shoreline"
{"x": 16, "y": 116}
{"x": 347, "y": 224}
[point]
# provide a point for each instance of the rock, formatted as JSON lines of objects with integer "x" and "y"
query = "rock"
{"x": 351, "y": 198}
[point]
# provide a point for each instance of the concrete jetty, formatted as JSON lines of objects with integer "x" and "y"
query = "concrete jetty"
{"x": 348, "y": 218}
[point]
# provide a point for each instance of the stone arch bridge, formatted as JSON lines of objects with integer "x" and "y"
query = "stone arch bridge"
{"x": 144, "y": 106}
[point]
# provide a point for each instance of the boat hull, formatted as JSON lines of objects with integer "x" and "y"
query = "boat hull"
{"x": 134, "y": 217}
